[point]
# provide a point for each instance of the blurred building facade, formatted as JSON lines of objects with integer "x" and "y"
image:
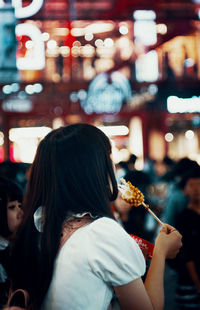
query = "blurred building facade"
{"x": 134, "y": 64}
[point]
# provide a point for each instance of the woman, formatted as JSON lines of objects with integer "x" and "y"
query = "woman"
{"x": 72, "y": 177}
{"x": 11, "y": 216}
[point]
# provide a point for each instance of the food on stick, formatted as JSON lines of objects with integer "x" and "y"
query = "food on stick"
{"x": 134, "y": 196}
{"x": 131, "y": 194}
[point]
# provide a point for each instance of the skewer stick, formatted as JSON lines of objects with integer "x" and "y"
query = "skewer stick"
{"x": 152, "y": 213}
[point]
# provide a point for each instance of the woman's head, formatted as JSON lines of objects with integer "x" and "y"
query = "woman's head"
{"x": 72, "y": 171}
{"x": 11, "y": 214}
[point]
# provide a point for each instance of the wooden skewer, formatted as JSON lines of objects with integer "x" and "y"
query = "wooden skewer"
{"x": 152, "y": 213}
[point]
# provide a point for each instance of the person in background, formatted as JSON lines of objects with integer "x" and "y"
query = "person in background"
{"x": 124, "y": 167}
{"x": 15, "y": 171}
{"x": 131, "y": 162}
{"x": 156, "y": 192}
{"x": 176, "y": 201}
{"x": 11, "y": 216}
{"x": 121, "y": 170}
{"x": 188, "y": 260}
{"x": 73, "y": 179}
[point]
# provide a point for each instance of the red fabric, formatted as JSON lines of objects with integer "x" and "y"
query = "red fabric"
{"x": 144, "y": 245}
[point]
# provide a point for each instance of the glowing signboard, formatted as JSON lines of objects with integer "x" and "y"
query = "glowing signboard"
{"x": 106, "y": 94}
{"x": 37, "y": 61}
{"x": 183, "y": 105}
{"x": 17, "y": 105}
{"x": 26, "y": 11}
{"x": 8, "y": 44}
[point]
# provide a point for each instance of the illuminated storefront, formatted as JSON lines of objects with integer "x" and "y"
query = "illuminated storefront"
{"x": 109, "y": 63}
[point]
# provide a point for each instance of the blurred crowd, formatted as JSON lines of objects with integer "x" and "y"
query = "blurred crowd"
{"x": 171, "y": 188}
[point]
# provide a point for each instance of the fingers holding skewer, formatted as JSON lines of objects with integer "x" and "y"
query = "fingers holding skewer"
{"x": 169, "y": 240}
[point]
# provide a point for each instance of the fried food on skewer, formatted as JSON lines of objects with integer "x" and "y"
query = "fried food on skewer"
{"x": 131, "y": 194}
{"x": 134, "y": 196}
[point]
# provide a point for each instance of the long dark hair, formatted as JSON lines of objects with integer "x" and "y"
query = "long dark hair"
{"x": 72, "y": 173}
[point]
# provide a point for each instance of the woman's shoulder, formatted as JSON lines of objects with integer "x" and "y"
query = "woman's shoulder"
{"x": 110, "y": 233}
{"x": 106, "y": 225}
{"x": 109, "y": 246}
{"x": 106, "y": 221}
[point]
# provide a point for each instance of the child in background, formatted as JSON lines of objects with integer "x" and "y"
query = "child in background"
{"x": 72, "y": 179}
{"x": 11, "y": 216}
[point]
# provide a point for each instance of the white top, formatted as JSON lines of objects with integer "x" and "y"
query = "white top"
{"x": 96, "y": 257}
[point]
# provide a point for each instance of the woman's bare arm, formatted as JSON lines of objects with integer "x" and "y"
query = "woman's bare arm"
{"x": 150, "y": 296}
{"x": 135, "y": 295}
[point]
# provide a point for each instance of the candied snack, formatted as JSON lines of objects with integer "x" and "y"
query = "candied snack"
{"x": 134, "y": 196}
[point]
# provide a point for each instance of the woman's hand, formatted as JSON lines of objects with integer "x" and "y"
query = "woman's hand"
{"x": 168, "y": 242}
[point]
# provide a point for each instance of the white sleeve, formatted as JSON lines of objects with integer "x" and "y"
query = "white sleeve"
{"x": 113, "y": 255}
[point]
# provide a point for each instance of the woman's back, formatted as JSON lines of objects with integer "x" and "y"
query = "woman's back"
{"x": 95, "y": 258}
